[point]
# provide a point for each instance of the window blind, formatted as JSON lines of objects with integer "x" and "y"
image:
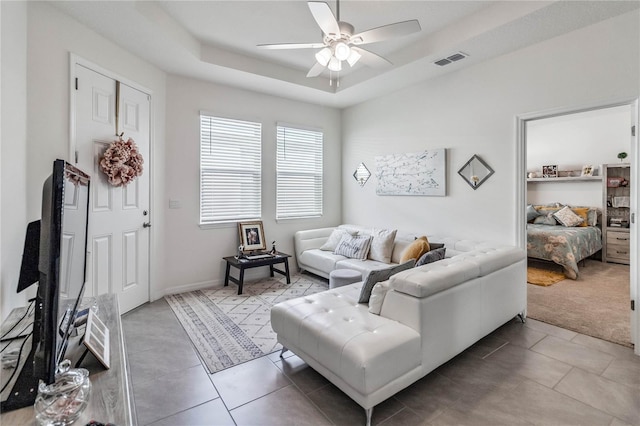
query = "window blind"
{"x": 230, "y": 169}
{"x": 299, "y": 173}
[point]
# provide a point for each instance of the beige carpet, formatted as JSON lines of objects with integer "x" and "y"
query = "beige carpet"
{"x": 596, "y": 304}
{"x": 544, "y": 277}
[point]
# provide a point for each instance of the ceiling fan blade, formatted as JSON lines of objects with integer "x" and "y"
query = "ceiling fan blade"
{"x": 316, "y": 70}
{"x": 291, "y": 46}
{"x": 371, "y": 59}
{"x": 324, "y": 17}
{"x": 386, "y": 32}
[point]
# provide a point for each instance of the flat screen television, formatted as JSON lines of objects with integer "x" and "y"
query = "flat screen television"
{"x": 60, "y": 249}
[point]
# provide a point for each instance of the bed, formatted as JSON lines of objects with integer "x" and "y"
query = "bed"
{"x": 562, "y": 245}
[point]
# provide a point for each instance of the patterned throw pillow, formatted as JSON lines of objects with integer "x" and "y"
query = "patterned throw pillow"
{"x": 431, "y": 256}
{"x": 382, "y": 245}
{"x": 381, "y": 275}
{"x": 354, "y": 247}
{"x": 567, "y": 217}
{"x": 334, "y": 239}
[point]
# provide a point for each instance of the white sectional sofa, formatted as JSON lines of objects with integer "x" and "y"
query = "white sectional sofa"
{"x": 429, "y": 315}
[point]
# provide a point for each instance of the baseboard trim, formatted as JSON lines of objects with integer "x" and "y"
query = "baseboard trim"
{"x": 191, "y": 287}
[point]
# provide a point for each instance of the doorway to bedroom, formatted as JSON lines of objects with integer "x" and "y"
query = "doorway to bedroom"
{"x": 571, "y": 160}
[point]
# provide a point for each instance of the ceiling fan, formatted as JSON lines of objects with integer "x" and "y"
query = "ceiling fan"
{"x": 340, "y": 43}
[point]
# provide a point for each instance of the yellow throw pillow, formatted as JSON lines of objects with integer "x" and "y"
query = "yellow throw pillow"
{"x": 416, "y": 249}
{"x": 582, "y": 212}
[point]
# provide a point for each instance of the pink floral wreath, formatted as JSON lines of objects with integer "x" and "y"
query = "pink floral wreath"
{"x": 122, "y": 162}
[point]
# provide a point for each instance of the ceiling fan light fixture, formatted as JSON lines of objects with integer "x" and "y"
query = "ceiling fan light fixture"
{"x": 335, "y": 64}
{"x": 324, "y": 56}
{"x": 353, "y": 57}
{"x": 342, "y": 50}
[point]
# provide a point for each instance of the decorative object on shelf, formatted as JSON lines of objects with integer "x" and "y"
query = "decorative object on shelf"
{"x": 475, "y": 172}
{"x": 240, "y": 253}
{"x": 252, "y": 235}
{"x": 62, "y": 402}
{"x": 532, "y": 175}
{"x": 622, "y": 156}
{"x": 419, "y": 173}
{"x": 550, "y": 171}
{"x": 122, "y": 162}
{"x": 273, "y": 248}
{"x": 362, "y": 174}
{"x": 587, "y": 170}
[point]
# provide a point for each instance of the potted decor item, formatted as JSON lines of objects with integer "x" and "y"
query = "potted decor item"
{"x": 622, "y": 156}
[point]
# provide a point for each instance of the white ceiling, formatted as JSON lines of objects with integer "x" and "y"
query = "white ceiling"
{"x": 216, "y": 40}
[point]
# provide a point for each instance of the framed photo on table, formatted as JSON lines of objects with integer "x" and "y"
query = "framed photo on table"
{"x": 252, "y": 235}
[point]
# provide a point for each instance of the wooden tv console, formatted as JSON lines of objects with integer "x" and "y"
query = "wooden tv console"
{"x": 111, "y": 398}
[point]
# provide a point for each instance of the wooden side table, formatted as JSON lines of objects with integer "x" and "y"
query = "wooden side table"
{"x": 242, "y": 264}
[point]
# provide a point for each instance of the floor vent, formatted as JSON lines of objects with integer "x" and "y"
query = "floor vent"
{"x": 450, "y": 59}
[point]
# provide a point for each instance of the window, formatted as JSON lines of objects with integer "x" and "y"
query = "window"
{"x": 230, "y": 170}
{"x": 299, "y": 173}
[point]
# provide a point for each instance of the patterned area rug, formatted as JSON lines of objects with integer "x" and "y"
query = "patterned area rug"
{"x": 543, "y": 277}
{"x": 228, "y": 329}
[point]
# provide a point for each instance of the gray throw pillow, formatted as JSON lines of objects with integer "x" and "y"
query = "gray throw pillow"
{"x": 381, "y": 275}
{"x": 435, "y": 246}
{"x": 431, "y": 256}
{"x": 545, "y": 220}
{"x": 532, "y": 213}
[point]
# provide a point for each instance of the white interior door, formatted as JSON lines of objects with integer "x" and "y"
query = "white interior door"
{"x": 118, "y": 245}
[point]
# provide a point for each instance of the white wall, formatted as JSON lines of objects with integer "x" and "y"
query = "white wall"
{"x": 13, "y": 151}
{"x": 473, "y": 111}
{"x": 52, "y": 36}
{"x": 194, "y": 255}
{"x": 572, "y": 141}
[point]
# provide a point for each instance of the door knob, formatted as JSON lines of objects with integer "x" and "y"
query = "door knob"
{"x": 146, "y": 225}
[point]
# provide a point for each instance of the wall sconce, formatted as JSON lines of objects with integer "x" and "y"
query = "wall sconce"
{"x": 475, "y": 172}
{"x": 362, "y": 174}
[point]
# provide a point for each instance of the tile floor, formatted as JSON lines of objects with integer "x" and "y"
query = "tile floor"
{"x": 529, "y": 374}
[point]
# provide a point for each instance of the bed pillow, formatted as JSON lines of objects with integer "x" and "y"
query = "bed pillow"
{"x": 431, "y": 256}
{"x": 378, "y": 275}
{"x": 334, "y": 239}
{"x": 566, "y": 217}
{"x": 532, "y": 213}
{"x": 583, "y": 213}
{"x": 354, "y": 247}
{"x": 382, "y": 245}
{"x": 546, "y": 219}
{"x": 416, "y": 249}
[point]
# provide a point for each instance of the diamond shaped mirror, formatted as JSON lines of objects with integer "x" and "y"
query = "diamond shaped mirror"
{"x": 475, "y": 172}
{"x": 362, "y": 174}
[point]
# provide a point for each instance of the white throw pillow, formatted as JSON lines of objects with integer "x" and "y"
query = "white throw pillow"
{"x": 377, "y": 296}
{"x": 382, "y": 245}
{"x": 567, "y": 217}
{"x": 354, "y": 247}
{"x": 334, "y": 239}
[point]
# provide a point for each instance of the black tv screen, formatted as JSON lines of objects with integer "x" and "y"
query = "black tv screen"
{"x": 62, "y": 264}
{"x": 59, "y": 253}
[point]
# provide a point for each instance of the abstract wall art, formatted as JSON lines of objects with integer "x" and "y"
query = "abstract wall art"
{"x": 417, "y": 173}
